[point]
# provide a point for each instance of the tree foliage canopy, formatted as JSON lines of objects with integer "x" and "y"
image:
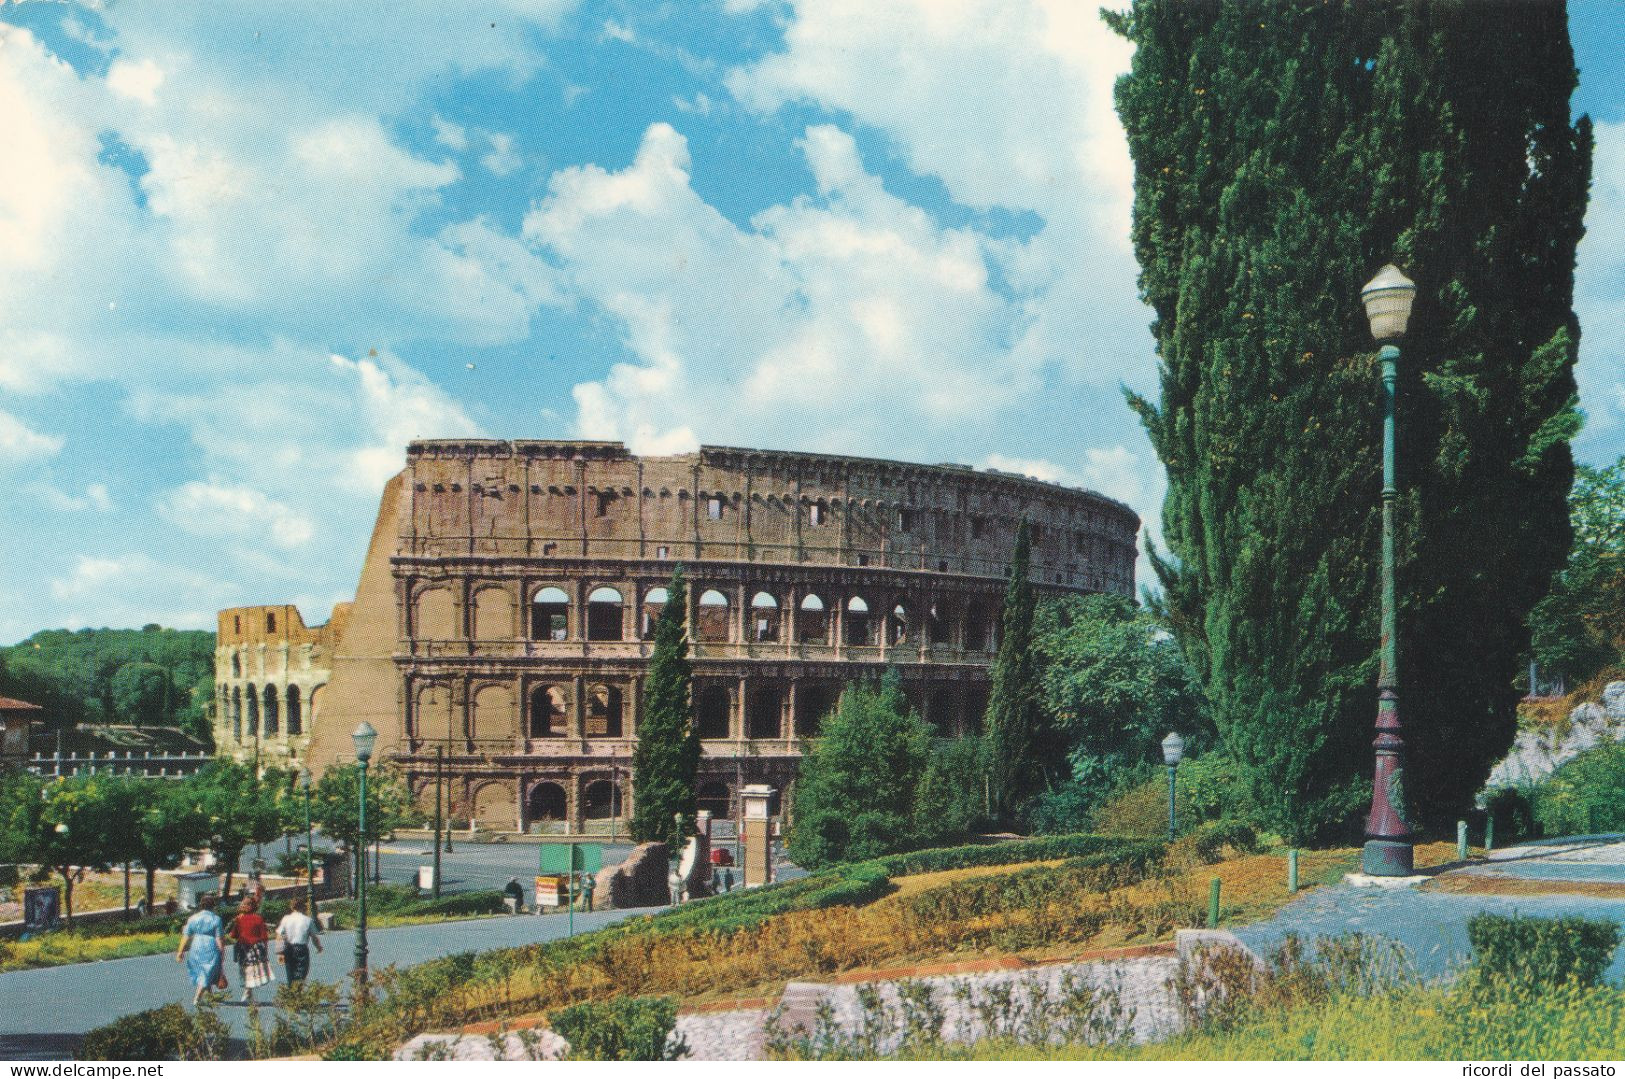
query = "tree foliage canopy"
{"x": 666, "y": 759}
{"x": 1580, "y": 626}
{"x": 1280, "y": 159}
{"x": 138, "y": 676}
{"x": 1114, "y": 682}
{"x": 856, "y": 796}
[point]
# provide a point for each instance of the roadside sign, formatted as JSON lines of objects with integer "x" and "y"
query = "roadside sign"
{"x": 572, "y": 857}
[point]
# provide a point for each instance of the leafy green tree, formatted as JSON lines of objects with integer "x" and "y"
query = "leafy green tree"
{"x": 63, "y": 825}
{"x": 240, "y": 809}
{"x": 71, "y": 672}
{"x": 141, "y": 695}
{"x": 335, "y": 807}
{"x": 1580, "y": 626}
{"x": 666, "y": 759}
{"x": 855, "y": 796}
{"x": 953, "y": 796}
{"x": 1024, "y": 753}
{"x": 1279, "y": 161}
{"x": 1114, "y": 684}
{"x": 157, "y": 821}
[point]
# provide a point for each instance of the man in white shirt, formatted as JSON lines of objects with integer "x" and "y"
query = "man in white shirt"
{"x": 295, "y": 934}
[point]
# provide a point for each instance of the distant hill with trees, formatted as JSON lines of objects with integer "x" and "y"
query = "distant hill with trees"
{"x": 147, "y": 677}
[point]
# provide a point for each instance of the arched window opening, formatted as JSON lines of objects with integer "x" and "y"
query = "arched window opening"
{"x": 603, "y": 712}
{"x": 236, "y": 665}
{"x": 812, "y": 621}
{"x": 296, "y": 712}
{"x": 857, "y": 622}
{"x": 601, "y": 800}
{"x": 549, "y": 712}
{"x": 270, "y": 622}
{"x": 813, "y": 704}
{"x": 713, "y": 616}
{"x": 604, "y": 615}
{"x": 550, "y": 615}
{"x": 897, "y": 625}
{"x": 547, "y": 802}
{"x": 818, "y": 512}
{"x": 976, "y": 628}
{"x": 764, "y": 718}
{"x": 939, "y": 712}
{"x": 713, "y": 707}
{"x": 715, "y": 798}
{"x": 764, "y": 618}
{"x": 272, "y": 722}
{"x": 253, "y": 711}
{"x": 654, "y": 601}
{"x": 237, "y": 713}
{"x": 937, "y": 627}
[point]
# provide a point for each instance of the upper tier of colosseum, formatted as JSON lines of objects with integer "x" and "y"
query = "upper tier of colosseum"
{"x": 569, "y": 499}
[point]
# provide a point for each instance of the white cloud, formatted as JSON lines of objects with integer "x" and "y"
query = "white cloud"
{"x": 1010, "y": 105}
{"x": 835, "y": 310}
{"x": 137, "y": 80}
{"x": 450, "y": 135}
{"x": 20, "y": 443}
{"x": 95, "y": 497}
{"x": 134, "y": 589}
{"x": 217, "y": 509}
{"x": 503, "y": 158}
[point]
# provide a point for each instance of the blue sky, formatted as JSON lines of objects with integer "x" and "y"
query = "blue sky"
{"x": 248, "y": 251}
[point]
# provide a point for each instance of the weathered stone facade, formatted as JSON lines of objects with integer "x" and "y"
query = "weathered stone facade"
{"x": 505, "y": 612}
{"x": 270, "y": 676}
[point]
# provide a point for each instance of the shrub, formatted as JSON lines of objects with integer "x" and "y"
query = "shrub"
{"x": 1582, "y": 797}
{"x": 1541, "y": 951}
{"x": 167, "y": 1033}
{"x": 621, "y": 1028}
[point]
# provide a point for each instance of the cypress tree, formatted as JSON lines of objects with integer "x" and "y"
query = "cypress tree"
{"x": 1022, "y": 750}
{"x": 666, "y": 759}
{"x": 1282, "y": 154}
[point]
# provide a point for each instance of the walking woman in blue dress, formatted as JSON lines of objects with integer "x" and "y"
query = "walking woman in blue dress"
{"x": 201, "y": 948}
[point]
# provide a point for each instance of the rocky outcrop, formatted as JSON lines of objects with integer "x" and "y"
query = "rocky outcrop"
{"x": 1537, "y": 754}
{"x": 1613, "y": 700}
{"x": 640, "y": 881}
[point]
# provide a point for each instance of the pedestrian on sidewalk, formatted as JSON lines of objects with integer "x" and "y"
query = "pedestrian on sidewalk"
{"x": 295, "y": 934}
{"x": 250, "y": 939}
{"x": 201, "y": 948}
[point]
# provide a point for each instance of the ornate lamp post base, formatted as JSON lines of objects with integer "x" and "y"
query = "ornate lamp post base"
{"x": 1388, "y": 858}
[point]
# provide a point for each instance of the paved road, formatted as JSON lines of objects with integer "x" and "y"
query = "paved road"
{"x": 1432, "y": 925}
{"x": 42, "y": 1010}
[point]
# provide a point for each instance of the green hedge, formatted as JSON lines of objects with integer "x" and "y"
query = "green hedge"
{"x": 1542, "y": 951}
{"x": 621, "y": 1028}
{"x": 167, "y": 1033}
{"x": 1041, "y": 849}
{"x": 1035, "y": 888}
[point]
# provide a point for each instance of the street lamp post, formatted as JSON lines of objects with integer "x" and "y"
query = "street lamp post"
{"x": 364, "y": 738}
{"x": 1389, "y": 844}
{"x": 439, "y": 784}
{"x": 305, "y": 782}
{"x": 1173, "y": 750}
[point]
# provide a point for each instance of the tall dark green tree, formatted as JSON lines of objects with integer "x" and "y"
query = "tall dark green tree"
{"x": 666, "y": 759}
{"x": 1023, "y": 753}
{"x": 1282, "y": 154}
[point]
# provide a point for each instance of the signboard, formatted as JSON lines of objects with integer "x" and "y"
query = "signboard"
{"x": 40, "y": 907}
{"x": 572, "y": 857}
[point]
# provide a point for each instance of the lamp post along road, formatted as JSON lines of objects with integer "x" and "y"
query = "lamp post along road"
{"x": 364, "y": 738}
{"x": 305, "y": 781}
{"x": 1389, "y": 844}
{"x": 439, "y": 784}
{"x": 1173, "y": 750}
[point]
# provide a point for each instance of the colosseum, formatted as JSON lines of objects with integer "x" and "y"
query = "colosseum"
{"x": 504, "y": 616}
{"x": 270, "y": 671}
